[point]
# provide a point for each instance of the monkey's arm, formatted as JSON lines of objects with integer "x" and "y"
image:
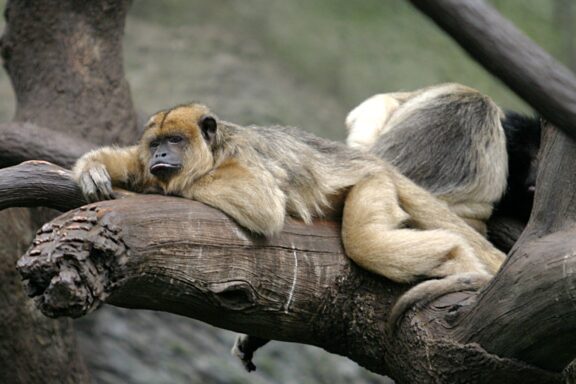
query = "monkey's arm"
{"x": 97, "y": 171}
{"x": 252, "y": 198}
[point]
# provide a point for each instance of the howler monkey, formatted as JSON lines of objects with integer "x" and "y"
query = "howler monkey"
{"x": 258, "y": 175}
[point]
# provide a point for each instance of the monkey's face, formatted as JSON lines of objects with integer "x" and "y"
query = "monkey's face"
{"x": 166, "y": 155}
{"x": 177, "y": 144}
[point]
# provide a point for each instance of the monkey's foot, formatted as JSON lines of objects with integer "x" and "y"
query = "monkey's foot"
{"x": 244, "y": 348}
{"x": 245, "y": 357}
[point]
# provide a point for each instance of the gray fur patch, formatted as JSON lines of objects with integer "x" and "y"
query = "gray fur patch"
{"x": 439, "y": 143}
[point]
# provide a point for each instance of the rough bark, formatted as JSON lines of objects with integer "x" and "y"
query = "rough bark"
{"x": 205, "y": 267}
{"x": 202, "y": 265}
{"x": 64, "y": 61}
{"x": 548, "y": 86}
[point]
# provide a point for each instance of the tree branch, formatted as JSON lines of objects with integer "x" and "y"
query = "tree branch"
{"x": 201, "y": 265}
{"x": 517, "y": 302}
{"x": 298, "y": 286}
{"x": 25, "y": 141}
{"x": 535, "y": 287}
{"x": 39, "y": 183}
{"x": 548, "y": 86}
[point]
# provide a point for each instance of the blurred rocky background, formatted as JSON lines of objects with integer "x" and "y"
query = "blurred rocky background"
{"x": 302, "y": 63}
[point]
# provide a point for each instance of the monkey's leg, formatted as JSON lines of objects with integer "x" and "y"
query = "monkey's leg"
{"x": 428, "y": 214}
{"x": 375, "y": 237}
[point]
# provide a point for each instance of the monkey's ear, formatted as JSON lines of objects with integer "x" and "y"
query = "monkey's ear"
{"x": 208, "y": 127}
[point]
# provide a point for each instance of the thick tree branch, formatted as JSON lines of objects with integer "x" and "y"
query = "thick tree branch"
{"x": 200, "y": 264}
{"x": 175, "y": 255}
{"x": 25, "y": 141}
{"x": 549, "y": 87}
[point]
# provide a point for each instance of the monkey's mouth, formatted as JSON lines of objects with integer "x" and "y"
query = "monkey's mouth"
{"x": 164, "y": 170}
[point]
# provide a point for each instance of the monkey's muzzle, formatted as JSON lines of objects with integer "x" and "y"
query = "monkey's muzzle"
{"x": 164, "y": 171}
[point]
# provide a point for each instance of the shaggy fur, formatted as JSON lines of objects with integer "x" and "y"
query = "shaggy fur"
{"x": 258, "y": 175}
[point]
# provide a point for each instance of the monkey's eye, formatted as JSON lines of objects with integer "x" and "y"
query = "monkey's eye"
{"x": 154, "y": 143}
{"x": 175, "y": 139}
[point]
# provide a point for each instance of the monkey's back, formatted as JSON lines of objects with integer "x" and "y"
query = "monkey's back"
{"x": 311, "y": 171}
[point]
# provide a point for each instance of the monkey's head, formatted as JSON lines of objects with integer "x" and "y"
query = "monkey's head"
{"x": 177, "y": 143}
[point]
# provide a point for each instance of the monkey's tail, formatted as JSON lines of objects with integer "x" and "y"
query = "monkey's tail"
{"x": 430, "y": 290}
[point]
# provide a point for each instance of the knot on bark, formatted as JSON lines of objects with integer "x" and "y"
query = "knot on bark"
{"x": 73, "y": 263}
{"x": 236, "y": 295}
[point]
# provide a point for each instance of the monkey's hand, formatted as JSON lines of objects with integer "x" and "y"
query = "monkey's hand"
{"x": 95, "y": 182}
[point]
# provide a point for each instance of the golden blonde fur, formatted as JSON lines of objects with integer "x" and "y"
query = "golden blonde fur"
{"x": 258, "y": 175}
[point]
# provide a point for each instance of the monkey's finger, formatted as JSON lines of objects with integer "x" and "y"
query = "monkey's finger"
{"x": 102, "y": 182}
{"x": 88, "y": 187}
{"x": 96, "y": 184}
